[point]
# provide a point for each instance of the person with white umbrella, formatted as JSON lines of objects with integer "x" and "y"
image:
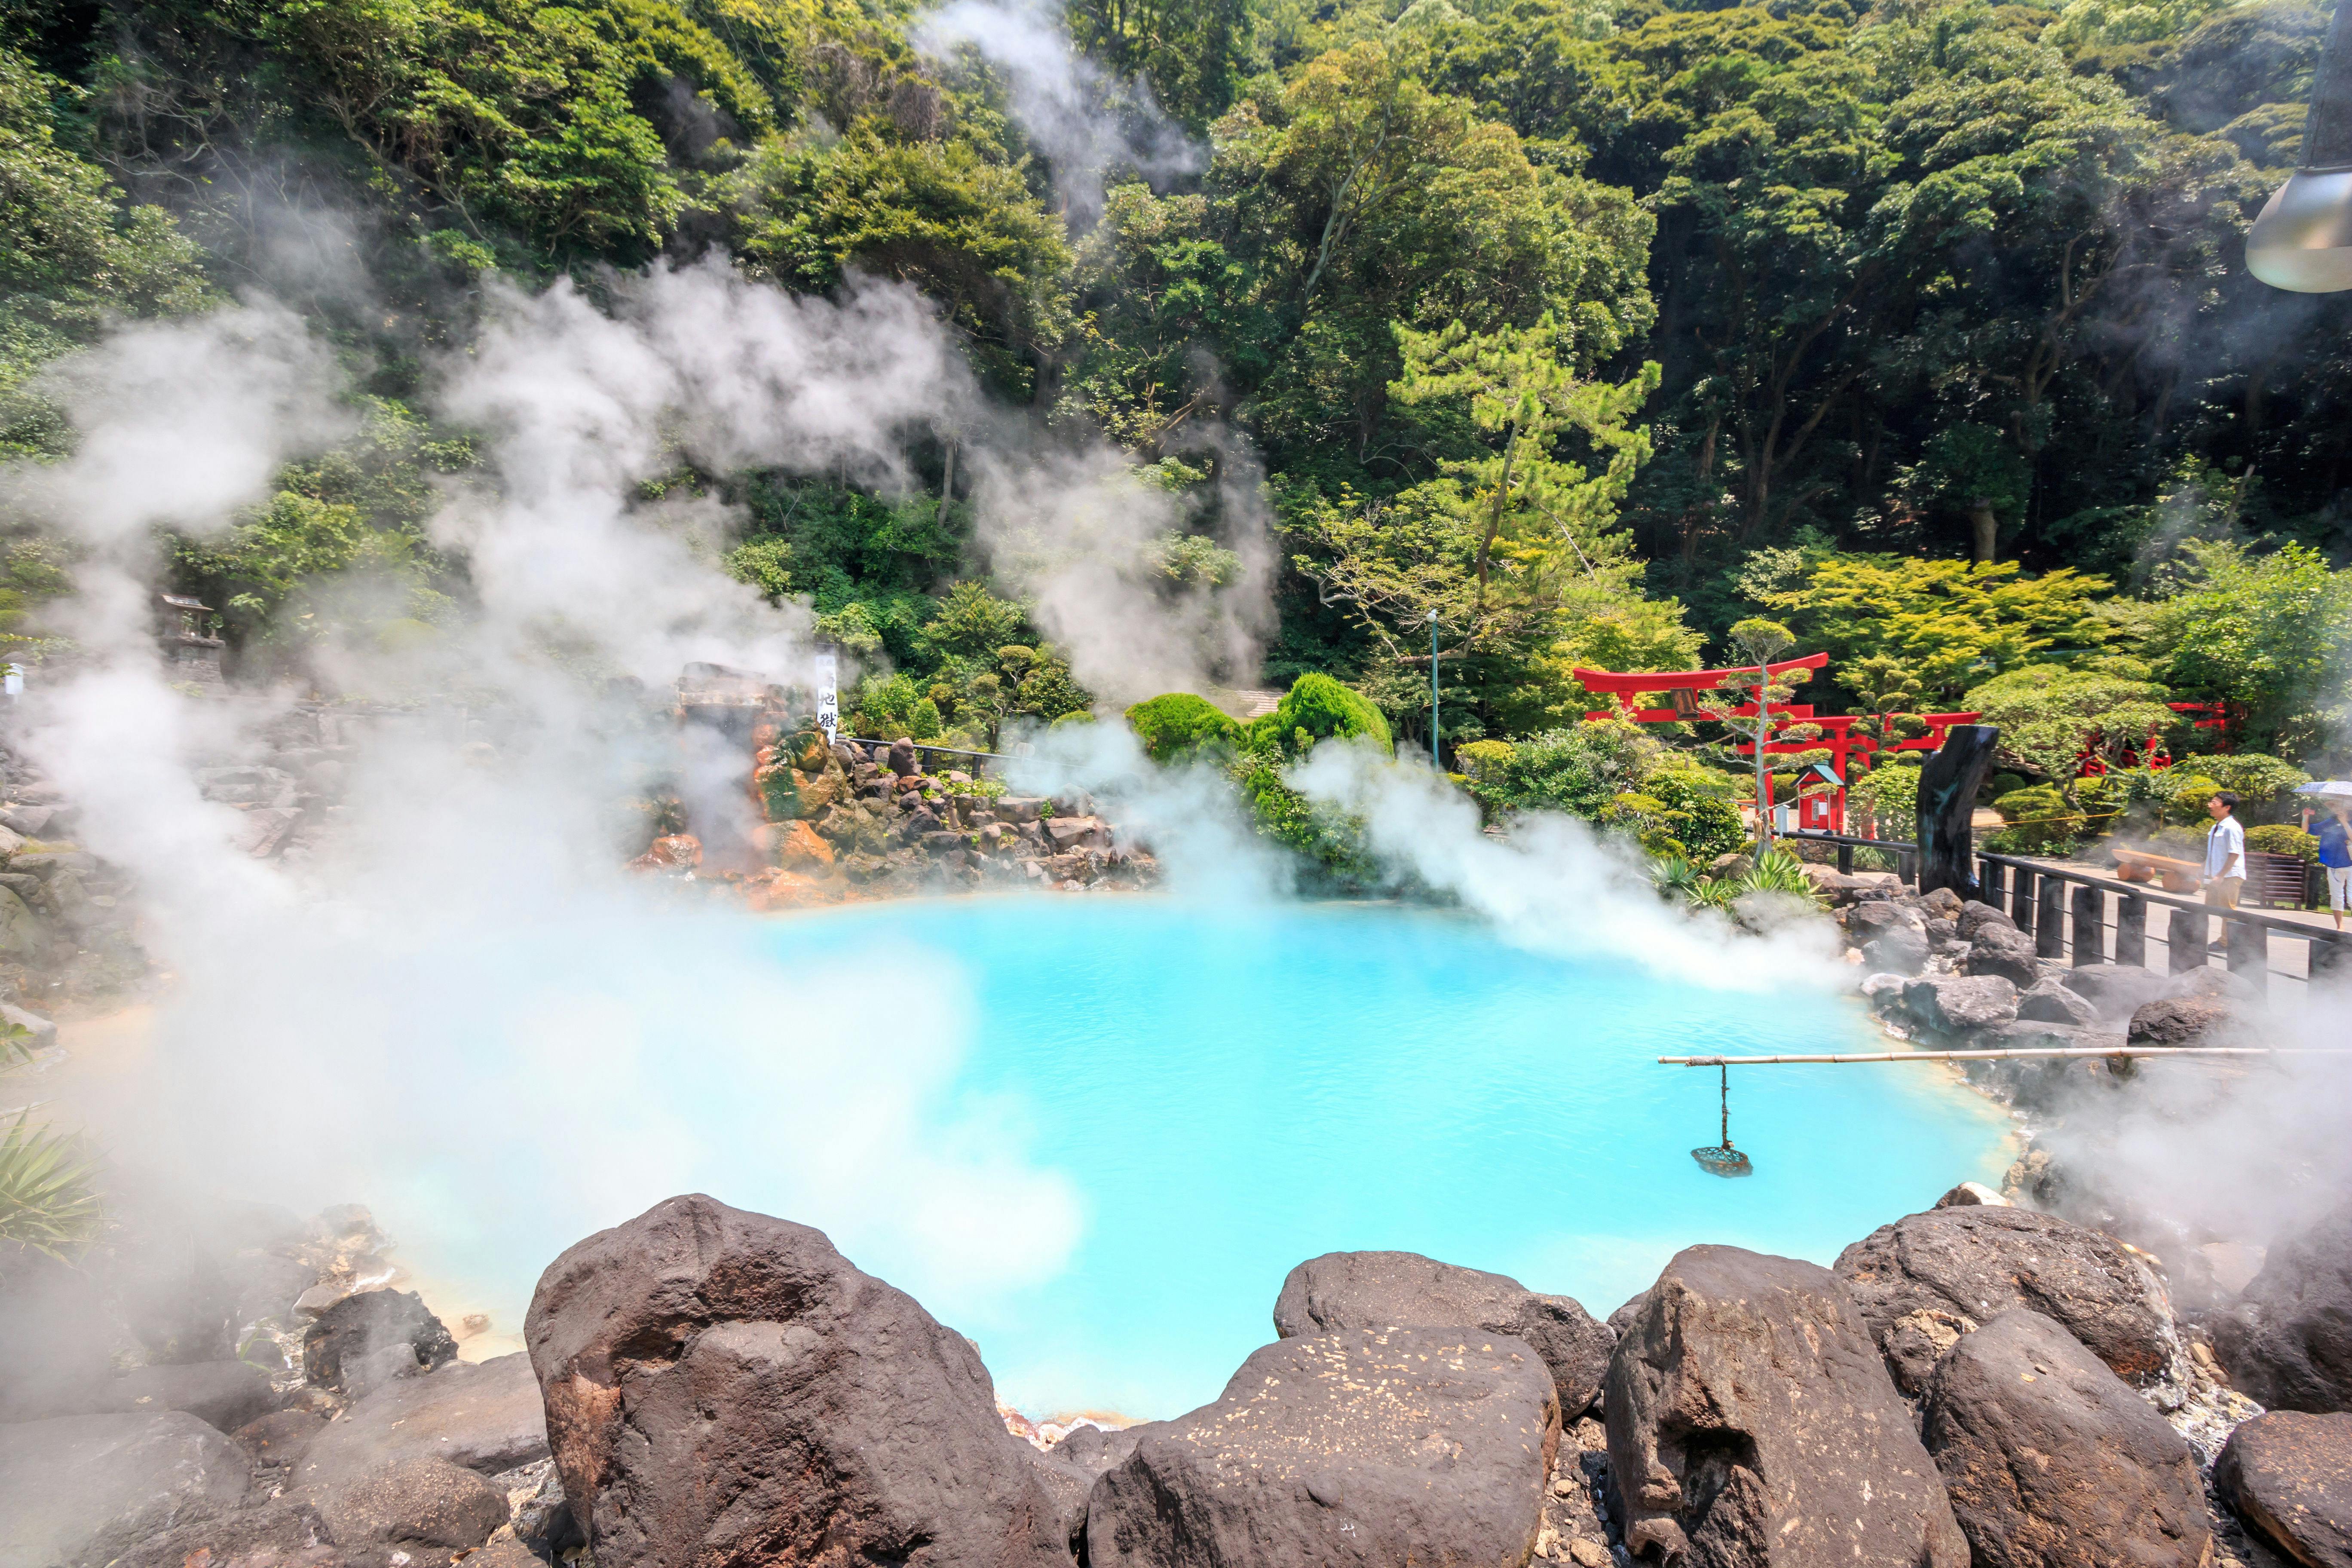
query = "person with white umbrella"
{"x": 2335, "y": 834}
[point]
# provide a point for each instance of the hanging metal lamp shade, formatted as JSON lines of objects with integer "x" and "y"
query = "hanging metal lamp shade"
{"x": 2302, "y": 240}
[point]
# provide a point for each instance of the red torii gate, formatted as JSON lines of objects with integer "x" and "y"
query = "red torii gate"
{"x": 1821, "y": 812}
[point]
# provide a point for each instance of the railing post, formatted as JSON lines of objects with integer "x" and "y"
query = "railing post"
{"x": 2327, "y": 954}
{"x": 1991, "y": 881}
{"x": 2250, "y": 951}
{"x": 1846, "y": 859}
{"x": 2131, "y": 930}
{"x": 2090, "y": 926}
{"x": 2050, "y": 917}
{"x": 2020, "y": 897}
{"x": 2184, "y": 940}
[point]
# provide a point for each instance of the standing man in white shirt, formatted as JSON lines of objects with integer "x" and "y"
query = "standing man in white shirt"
{"x": 2225, "y": 851}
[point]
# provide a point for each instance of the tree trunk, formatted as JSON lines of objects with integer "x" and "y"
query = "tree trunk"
{"x": 1984, "y": 526}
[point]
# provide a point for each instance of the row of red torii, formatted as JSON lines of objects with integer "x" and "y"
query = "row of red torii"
{"x": 1823, "y": 810}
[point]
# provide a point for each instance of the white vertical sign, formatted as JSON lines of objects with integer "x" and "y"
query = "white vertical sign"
{"x": 828, "y": 693}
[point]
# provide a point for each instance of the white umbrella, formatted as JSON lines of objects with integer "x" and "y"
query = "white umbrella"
{"x": 2327, "y": 786}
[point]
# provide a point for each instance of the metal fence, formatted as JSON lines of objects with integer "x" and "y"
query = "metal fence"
{"x": 2080, "y": 917}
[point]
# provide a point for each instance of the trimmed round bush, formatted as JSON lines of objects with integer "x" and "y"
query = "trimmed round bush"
{"x": 1321, "y": 709}
{"x": 1176, "y": 724}
{"x": 2038, "y": 819}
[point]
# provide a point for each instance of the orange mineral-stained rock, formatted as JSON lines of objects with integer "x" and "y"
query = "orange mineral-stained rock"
{"x": 798, "y": 847}
{"x": 677, "y": 849}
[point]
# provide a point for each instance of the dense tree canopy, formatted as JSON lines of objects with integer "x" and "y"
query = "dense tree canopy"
{"x": 1590, "y": 327}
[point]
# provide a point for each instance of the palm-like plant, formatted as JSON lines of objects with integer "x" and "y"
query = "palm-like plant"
{"x": 49, "y": 1182}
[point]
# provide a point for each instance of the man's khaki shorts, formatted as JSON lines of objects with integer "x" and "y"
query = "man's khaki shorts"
{"x": 2223, "y": 890}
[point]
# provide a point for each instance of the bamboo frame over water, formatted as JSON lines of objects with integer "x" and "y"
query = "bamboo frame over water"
{"x": 2085, "y": 1051}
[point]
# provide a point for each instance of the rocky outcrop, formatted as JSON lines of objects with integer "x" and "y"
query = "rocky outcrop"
{"x": 1929, "y": 1278}
{"x": 2006, "y": 952}
{"x": 2176, "y": 1021}
{"x": 80, "y": 1489}
{"x": 1365, "y": 1447}
{"x": 2049, "y": 1002}
{"x": 2049, "y": 1458}
{"x": 1752, "y": 1421}
{"x": 2116, "y": 990}
{"x": 284, "y": 1532}
{"x": 2288, "y": 1476}
{"x": 372, "y": 1338}
{"x": 485, "y": 1417}
{"x": 1953, "y": 1004}
{"x": 1975, "y": 916}
{"x": 2287, "y": 1341}
{"x": 1404, "y": 1290}
{"x": 1896, "y": 950}
{"x": 725, "y": 1388}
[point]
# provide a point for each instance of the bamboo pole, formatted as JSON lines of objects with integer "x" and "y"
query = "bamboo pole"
{"x": 2086, "y": 1051}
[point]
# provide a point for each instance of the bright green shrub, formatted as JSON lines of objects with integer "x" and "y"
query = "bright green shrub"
{"x": 1178, "y": 725}
{"x": 1581, "y": 770}
{"x": 2283, "y": 838}
{"x": 1317, "y": 707}
{"x": 2038, "y": 820}
{"x": 2003, "y": 783}
{"x": 2264, "y": 786}
{"x": 1891, "y": 796}
{"x": 1696, "y": 808}
{"x": 2185, "y": 793}
{"x": 1328, "y": 841}
{"x": 1477, "y": 758}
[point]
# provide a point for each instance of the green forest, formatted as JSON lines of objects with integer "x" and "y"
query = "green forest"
{"x": 1587, "y": 330}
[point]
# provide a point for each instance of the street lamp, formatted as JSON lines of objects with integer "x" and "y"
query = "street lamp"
{"x": 2302, "y": 240}
{"x": 1433, "y": 693}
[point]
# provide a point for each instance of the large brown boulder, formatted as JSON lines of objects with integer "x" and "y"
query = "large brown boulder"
{"x": 2049, "y": 1457}
{"x": 2287, "y": 1342}
{"x": 723, "y": 1388}
{"x": 1367, "y": 1447}
{"x": 2288, "y": 1475}
{"x": 485, "y": 1417}
{"x": 1404, "y": 1290}
{"x": 1751, "y": 1422}
{"x": 1929, "y": 1277}
{"x": 2007, "y": 952}
{"x": 1955, "y": 1003}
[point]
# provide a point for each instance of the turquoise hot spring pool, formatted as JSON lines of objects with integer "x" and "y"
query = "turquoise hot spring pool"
{"x": 1158, "y": 1108}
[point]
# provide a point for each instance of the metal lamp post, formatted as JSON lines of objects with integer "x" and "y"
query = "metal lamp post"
{"x": 2302, "y": 240}
{"x": 1433, "y": 761}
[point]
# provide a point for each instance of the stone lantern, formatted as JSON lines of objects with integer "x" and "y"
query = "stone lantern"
{"x": 191, "y": 652}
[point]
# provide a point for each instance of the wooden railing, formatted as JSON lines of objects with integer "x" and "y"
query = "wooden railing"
{"x": 2064, "y": 909}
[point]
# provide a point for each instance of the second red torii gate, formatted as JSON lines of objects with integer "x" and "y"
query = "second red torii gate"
{"x": 1826, "y": 811}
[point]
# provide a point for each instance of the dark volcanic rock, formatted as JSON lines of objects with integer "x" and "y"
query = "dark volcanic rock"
{"x": 725, "y": 1388}
{"x": 2287, "y": 1341}
{"x": 1751, "y": 1422}
{"x": 1864, "y": 921}
{"x": 224, "y": 1395}
{"x": 1896, "y": 950}
{"x": 83, "y": 1489}
{"x": 2049, "y": 1457}
{"x": 372, "y": 1337}
{"x": 279, "y": 1438}
{"x": 2048, "y": 1002}
{"x": 1930, "y": 1276}
{"x": 1975, "y": 916}
{"x": 2116, "y": 990}
{"x": 487, "y": 1417}
{"x": 411, "y": 1503}
{"x": 1406, "y": 1290}
{"x": 2289, "y": 1476}
{"x": 2183, "y": 1021}
{"x": 2006, "y": 952}
{"x": 1953, "y": 1004}
{"x": 1364, "y": 1447}
{"x": 284, "y": 1532}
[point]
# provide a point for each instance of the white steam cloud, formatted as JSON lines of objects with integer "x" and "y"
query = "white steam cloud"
{"x": 1085, "y": 122}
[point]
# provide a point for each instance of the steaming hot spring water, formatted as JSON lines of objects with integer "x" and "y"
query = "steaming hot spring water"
{"x": 1094, "y": 1134}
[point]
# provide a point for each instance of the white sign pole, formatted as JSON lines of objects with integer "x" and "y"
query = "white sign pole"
{"x": 828, "y": 693}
